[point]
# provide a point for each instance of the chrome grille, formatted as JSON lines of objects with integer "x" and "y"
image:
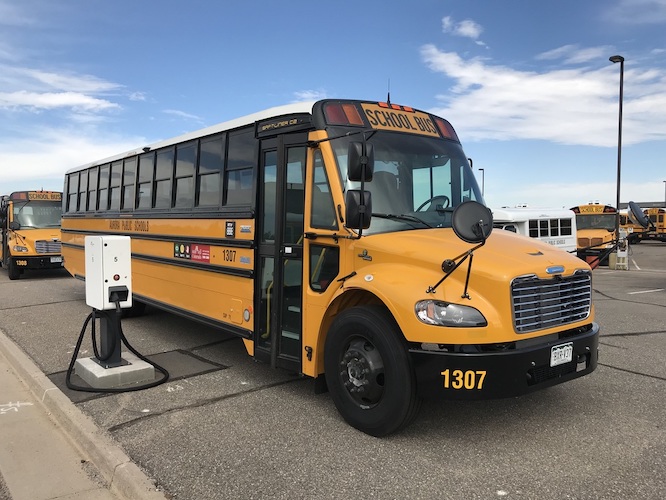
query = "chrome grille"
{"x": 545, "y": 303}
{"x": 47, "y": 246}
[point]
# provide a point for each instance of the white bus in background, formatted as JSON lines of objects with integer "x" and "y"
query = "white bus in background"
{"x": 555, "y": 226}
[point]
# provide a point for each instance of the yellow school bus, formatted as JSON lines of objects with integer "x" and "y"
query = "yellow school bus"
{"x": 596, "y": 231}
{"x": 346, "y": 240}
{"x": 634, "y": 231}
{"x": 657, "y": 228}
{"x": 30, "y": 227}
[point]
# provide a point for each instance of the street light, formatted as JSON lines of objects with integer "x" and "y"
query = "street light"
{"x": 664, "y": 194}
{"x": 483, "y": 181}
{"x": 619, "y": 59}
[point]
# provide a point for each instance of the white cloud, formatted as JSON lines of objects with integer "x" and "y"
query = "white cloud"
{"x": 183, "y": 114}
{"x": 638, "y": 12}
{"x": 53, "y": 100}
{"x": 13, "y": 14}
{"x": 466, "y": 28}
{"x": 309, "y": 95}
{"x": 572, "y": 54}
{"x": 47, "y": 154}
{"x": 137, "y": 96}
{"x": 496, "y": 102}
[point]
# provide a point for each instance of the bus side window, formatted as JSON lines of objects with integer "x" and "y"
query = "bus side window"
{"x": 92, "y": 189}
{"x": 186, "y": 155}
{"x": 163, "y": 175}
{"x": 322, "y": 213}
{"x": 129, "y": 171}
{"x": 103, "y": 197}
{"x": 239, "y": 168}
{"x": 83, "y": 190}
{"x": 145, "y": 181}
{"x": 116, "y": 172}
{"x": 211, "y": 163}
{"x": 72, "y": 192}
{"x": 324, "y": 266}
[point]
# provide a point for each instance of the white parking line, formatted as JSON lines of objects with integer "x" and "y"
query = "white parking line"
{"x": 635, "y": 265}
{"x": 646, "y": 291}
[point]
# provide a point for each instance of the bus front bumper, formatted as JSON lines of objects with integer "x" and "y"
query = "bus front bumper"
{"x": 42, "y": 262}
{"x": 503, "y": 374}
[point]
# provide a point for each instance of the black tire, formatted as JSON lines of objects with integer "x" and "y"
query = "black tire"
{"x": 13, "y": 271}
{"x": 369, "y": 372}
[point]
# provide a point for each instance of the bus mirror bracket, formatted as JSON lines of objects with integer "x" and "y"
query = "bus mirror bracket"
{"x": 472, "y": 222}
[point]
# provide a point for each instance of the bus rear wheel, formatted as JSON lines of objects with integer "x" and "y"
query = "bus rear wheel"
{"x": 369, "y": 373}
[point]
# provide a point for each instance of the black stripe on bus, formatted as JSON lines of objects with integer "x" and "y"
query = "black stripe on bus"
{"x": 242, "y": 213}
{"x": 243, "y": 273}
{"x": 232, "y": 271}
{"x": 225, "y": 242}
{"x": 234, "y": 330}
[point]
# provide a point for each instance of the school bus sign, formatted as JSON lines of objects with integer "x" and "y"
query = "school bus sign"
{"x": 44, "y": 195}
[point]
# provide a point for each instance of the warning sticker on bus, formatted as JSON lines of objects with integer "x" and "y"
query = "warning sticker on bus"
{"x": 397, "y": 120}
{"x": 192, "y": 251}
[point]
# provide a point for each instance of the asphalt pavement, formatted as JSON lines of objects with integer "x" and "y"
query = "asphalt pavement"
{"x": 225, "y": 426}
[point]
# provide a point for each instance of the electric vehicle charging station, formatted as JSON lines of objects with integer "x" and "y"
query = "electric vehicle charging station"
{"x": 108, "y": 290}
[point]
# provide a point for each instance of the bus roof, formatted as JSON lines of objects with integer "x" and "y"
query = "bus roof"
{"x": 288, "y": 109}
{"x": 523, "y": 214}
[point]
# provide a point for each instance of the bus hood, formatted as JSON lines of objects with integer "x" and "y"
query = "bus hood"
{"x": 505, "y": 255}
{"x": 406, "y": 267}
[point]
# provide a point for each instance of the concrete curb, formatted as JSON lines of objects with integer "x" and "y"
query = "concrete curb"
{"x": 124, "y": 477}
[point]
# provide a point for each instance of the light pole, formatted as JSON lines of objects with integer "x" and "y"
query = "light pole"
{"x": 664, "y": 194}
{"x": 483, "y": 181}
{"x": 619, "y": 59}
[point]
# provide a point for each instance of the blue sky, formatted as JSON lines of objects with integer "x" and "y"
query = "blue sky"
{"x": 527, "y": 85}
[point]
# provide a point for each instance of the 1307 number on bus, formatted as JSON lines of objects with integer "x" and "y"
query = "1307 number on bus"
{"x": 463, "y": 379}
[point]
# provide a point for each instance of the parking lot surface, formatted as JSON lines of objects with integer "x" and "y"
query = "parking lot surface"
{"x": 225, "y": 426}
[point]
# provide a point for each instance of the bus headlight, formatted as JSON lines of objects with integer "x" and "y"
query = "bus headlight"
{"x": 19, "y": 248}
{"x": 436, "y": 312}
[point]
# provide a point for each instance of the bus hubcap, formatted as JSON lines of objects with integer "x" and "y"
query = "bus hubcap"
{"x": 362, "y": 372}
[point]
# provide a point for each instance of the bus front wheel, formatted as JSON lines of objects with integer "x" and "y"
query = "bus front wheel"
{"x": 368, "y": 371}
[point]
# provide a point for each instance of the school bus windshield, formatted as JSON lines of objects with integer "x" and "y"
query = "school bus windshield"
{"x": 596, "y": 221}
{"x": 38, "y": 214}
{"x": 417, "y": 180}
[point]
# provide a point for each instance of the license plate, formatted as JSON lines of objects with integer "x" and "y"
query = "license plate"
{"x": 56, "y": 259}
{"x": 561, "y": 354}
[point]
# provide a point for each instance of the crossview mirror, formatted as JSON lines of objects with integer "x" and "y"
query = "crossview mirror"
{"x": 13, "y": 225}
{"x": 472, "y": 222}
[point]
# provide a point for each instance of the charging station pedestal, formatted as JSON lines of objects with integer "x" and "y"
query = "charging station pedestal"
{"x": 108, "y": 281}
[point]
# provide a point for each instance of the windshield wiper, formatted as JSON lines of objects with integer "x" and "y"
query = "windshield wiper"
{"x": 404, "y": 217}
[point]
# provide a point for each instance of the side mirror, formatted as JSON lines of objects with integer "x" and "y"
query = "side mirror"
{"x": 638, "y": 215}
{"x": 360, "y": 166}
{"x": 357, "y": 212}
{"x": 472, "y": 222}
{"x": 13, "y": 225}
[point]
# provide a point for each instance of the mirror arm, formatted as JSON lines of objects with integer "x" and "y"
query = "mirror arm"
{"x": 450, "y": 265}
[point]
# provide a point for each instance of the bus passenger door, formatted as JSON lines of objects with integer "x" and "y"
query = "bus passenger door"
{"x": 280, "y": 279}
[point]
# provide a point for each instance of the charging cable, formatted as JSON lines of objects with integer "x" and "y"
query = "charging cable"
{"x": 92, "y": 316}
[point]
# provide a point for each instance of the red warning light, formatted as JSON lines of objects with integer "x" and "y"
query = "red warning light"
{"x": 116, "y": 277}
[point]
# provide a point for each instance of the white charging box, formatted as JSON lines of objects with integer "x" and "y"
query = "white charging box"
{"x": 108, "y": 271}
